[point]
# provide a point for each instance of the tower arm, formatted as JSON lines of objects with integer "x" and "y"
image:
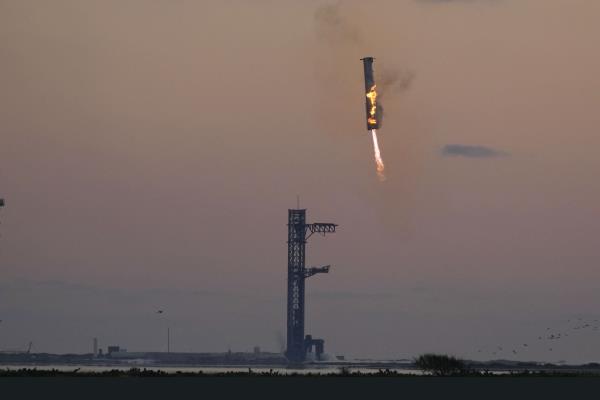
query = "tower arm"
{"x": 320, "y": 227}
{"x": 316, "y": 270}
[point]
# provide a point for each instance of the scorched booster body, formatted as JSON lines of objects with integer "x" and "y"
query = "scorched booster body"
{"x": 374, "y": 112}
{"x": 372, "y": 108}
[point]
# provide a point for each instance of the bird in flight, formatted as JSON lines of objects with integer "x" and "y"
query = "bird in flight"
{"x": 159, "y": 312}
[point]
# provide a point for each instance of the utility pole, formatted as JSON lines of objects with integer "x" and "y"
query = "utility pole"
{"x": 1, "y": 202}
{"x": 161, "y": 312}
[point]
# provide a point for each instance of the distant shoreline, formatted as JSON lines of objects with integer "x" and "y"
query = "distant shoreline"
{"x": 253, "y": 364}
{"x": 344, "y": 372}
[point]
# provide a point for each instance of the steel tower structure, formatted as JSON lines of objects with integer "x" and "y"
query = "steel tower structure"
{"x": 298, "y": 233}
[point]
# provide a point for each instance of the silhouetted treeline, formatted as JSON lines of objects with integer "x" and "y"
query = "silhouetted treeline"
{"x": 343, "y": 372}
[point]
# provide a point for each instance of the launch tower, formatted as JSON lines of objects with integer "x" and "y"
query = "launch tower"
{"x": 298, "y": 233}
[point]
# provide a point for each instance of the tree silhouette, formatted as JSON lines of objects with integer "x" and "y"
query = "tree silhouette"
{"x": 440, "y": 364}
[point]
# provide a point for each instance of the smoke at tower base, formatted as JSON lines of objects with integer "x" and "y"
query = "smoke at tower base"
{"x": 373, "y": 110}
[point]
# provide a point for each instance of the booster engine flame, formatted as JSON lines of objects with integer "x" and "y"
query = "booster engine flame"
{"x": 378, "y": 159}
{"x": 372, "y": 96}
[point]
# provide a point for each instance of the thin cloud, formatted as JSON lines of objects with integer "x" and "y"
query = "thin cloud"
{"x": 462, "y": 150}
{"x": 454, "y": 1}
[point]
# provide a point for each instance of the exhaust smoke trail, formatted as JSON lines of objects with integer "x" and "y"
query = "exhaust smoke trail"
{"x": 378, "y": 159}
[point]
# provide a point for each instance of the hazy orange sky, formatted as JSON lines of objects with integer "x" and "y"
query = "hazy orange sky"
{"x": 150, "y": 149}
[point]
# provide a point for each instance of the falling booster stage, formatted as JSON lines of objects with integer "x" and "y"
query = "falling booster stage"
{"x": 298, "y": 233}
{"x": 373, "y": 110}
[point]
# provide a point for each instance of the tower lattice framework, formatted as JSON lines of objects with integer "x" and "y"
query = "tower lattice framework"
{"x": 298, "y": 233}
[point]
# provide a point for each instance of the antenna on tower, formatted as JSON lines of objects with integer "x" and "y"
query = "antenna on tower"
{"x": 297, "y": 201}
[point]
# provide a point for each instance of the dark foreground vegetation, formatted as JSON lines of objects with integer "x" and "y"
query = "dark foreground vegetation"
{"x": 343, "y": 372}
{"x": 430, "y": 365}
